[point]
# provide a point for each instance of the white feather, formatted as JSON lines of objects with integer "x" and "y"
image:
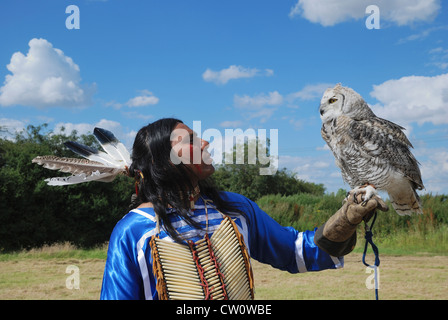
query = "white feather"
{"x": 97, "y": 165}
{"x": 113, "y": 146}
{"x": 80, "y": 178}
{"x": 82, "y": 170}
{"x": 92, "y": 154}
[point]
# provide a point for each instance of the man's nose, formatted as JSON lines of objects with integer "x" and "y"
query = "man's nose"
{"x": 204, "y": 144}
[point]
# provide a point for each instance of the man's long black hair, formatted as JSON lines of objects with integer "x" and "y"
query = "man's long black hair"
{"x": 164, "y": 184}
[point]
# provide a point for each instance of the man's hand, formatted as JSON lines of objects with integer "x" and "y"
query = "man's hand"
{"x": 338, "y": 235}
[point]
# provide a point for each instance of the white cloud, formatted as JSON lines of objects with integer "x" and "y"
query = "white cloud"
{"x": 68, "y": 127}
{"x": 233, "y": 72}
{"x": 422, "y": 34}
{"x": 325, "y": 147}
{"x": 310, "y": 92}
{"x": 145, "y": 99}
{"x": 264, "y": 105}
{"x": 44, "y": 77}
{"x": 411, "y": 99}
{"x": 439, "y": 58}
{"x": 231, "y": 124}
{"x": 10, "y": 127}
{"x": 297, "y": 124}
{"x": 110, "y": 125}
{"x": 87, "y": 128}
{"x": 114, "y": 104}
{"x": 434, "y": 168}
{"x": 400, "y": 12}
{"x": 260, "y": 106}
{"x": 316, "y": 169}
{"x": 137, "y": 115}
{"x": 272, "y": 99}
{"x": 268, "y": 72}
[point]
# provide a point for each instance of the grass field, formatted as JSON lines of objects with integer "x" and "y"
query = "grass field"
{"x": 41, "y": 275}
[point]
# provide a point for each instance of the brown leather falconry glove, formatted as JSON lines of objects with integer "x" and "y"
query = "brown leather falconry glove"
{"x": 337, "y": 236}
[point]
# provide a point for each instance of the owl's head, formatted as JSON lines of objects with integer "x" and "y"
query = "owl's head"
{"x": 341, "y": 100}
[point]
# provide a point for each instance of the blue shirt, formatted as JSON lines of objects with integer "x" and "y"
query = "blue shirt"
{"x": 128, "y": 271}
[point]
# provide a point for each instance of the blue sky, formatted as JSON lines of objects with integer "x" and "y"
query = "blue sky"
{"x": 230, "y": 64}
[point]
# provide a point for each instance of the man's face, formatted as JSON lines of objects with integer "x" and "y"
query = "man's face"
{"x": 191, "y": 151}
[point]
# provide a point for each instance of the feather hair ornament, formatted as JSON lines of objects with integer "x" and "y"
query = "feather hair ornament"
{"x": 97, "y": 165}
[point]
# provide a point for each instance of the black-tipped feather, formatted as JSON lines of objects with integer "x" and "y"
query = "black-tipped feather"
{"x": 98, "y": 165}
{"x": 80, "y": 149}
{"x": 112, "y": 145}
{"x": 104, "y": 136}
{"x": 90, "y": 153}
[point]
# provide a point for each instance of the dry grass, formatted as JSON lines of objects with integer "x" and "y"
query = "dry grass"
{"x": 37, "y": 279}
{"x": 401, "y": 277}
{"x": 41, "y": 274}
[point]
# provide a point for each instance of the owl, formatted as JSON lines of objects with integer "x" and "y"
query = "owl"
{"x": 372, "y": 153}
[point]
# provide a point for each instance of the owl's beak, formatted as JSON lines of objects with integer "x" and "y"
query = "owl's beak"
{"x": 322, "y": 110}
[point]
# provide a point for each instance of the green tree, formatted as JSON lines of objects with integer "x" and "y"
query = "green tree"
{"x": 246, "y": 179}
{"x": 33, "y": 214}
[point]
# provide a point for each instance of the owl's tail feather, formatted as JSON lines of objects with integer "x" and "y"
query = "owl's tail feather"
{"x": 407, "y": 206}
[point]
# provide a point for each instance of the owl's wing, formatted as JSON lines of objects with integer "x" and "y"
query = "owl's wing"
{"x": 385, "y": 140}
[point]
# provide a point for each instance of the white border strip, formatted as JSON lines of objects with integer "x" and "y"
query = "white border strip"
{"x": 299, "y": 253}
{"x": 142, "y": 263}
{"x": 143, "y": 213}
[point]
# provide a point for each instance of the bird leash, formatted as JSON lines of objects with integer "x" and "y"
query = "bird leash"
{"x": 368, "y": 236}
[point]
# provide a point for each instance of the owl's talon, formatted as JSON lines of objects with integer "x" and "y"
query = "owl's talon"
{"x": 367, "y": 191}
{"x": 355, "y": 200}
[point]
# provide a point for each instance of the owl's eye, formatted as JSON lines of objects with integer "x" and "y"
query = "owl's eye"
{"x": 332, "y": 100}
